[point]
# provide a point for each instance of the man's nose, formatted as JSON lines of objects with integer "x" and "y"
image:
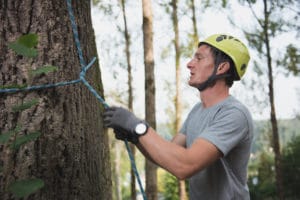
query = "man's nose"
{"x": 190, "y": 64}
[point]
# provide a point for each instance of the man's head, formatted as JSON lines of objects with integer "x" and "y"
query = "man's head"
{"x": 218, "y": 57}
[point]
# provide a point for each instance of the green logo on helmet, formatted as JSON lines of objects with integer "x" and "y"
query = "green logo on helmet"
{"x": 243, "y": 67}
{"x": 228, "y": 37}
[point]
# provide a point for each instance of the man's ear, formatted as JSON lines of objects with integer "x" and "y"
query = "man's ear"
{"x": 223, "y": 68}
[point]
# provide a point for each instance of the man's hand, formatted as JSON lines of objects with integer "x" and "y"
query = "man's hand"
{"x": 121, "y": 135}
{"x": 122, "y": 121}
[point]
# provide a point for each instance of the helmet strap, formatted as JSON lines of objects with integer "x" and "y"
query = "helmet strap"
{"x": 211, "y": 80}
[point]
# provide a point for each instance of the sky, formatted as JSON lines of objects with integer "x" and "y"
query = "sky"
{"x": 211, "y": 21}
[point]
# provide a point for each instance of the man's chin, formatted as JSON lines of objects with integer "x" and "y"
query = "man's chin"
{"x": 195, "y": 85}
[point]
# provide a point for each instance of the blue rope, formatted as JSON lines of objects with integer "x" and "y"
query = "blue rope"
{"x": 51, "y": 85}
{"x": 14, "y": 90}
{"x": 82, "y": 75}
{"x": 75, "y": 33}
{"x": 82, "y": 78}
{"x": 132, "y": 161}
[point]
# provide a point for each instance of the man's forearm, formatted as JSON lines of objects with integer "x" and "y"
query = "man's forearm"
{"x": 145, "y": 153}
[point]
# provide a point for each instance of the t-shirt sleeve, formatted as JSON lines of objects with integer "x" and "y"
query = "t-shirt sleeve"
{"x": 183, "y": 128}
{"x": 228, "y": 128}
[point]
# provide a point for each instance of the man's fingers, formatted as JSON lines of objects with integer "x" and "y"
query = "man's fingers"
{"x": 108, "y": 116}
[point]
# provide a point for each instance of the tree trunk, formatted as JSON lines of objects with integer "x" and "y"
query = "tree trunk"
{"x": 117, "y": 168}
{"x": 178, "y": 104}
{"x": 275, "y": 142}
{"x": 130, "y": 95}
{"x": 151, "y": 176}
{"x": 71, "y": 155}
{"x": 194, "y": 20}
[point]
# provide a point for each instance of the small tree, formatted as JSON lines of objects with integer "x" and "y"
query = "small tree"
{"x": 150, "y": 109}
{"x": 269, "y": 27}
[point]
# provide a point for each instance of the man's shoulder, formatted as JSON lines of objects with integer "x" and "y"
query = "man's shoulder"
{"x": 232, "y": 102}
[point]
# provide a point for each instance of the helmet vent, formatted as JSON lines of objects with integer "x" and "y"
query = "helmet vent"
{"x": 243, "y": 67}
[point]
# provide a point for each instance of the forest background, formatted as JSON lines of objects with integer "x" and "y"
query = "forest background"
{"x": 238, "y": 18}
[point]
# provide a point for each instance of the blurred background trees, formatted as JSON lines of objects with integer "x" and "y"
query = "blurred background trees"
{"x": 269, "y": 28}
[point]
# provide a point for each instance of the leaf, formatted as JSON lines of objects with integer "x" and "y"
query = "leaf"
{"x": 29, "y": 40}
{"x": 45, "y": 69}
{"x": 13, "y": 86}
{"x": 25, "y": 105}
{"x": 23, "y": 50}
{"x": 25, "y": 45}
{"x": 24, "y": 139}
{"x": 23, "y": 188}
{"x": 5, "y": 136}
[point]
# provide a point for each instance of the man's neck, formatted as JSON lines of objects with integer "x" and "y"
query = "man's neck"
{"x": 213, "y": 95}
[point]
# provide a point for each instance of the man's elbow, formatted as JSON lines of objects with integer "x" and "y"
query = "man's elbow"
{"x": 184, "y": 173}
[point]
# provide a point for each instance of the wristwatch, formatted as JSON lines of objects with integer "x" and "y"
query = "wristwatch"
{"x": 141, "y": 128}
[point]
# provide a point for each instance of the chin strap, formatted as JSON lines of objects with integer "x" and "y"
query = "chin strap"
{"x": 211, "y": 80}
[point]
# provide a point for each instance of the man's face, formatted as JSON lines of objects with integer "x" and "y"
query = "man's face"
{"x": 201, "y": 66}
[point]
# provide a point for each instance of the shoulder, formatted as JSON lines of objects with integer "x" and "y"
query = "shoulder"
{"x": 231, "y": 104}
{"x": 231, "y": 113}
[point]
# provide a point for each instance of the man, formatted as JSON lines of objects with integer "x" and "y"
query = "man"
{"x": 213, "y": 146}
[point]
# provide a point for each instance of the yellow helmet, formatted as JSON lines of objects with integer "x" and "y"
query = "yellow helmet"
{"x": 234, "y": 48}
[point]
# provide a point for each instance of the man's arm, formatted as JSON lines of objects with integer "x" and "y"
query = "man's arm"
{"x": 181, "y": 162}
{"x": 178, "y": 139}
{"x": 178, "y": 160}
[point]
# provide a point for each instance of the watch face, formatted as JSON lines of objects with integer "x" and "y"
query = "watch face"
{"x": 141, "y": 128}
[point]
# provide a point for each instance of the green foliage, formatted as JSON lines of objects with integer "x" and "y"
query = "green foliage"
{"x": 13, "y": 86}
{"x": 273, "y": 23}
{"x": 255, "y": 40}
{"x": 25, "y": 105}
{"x": 291, "y": 60}
{"x": 211, "y": 3}
{"x": 170, "y": 187}
{"x": 24, "y": 45}
{"x": 262, "y": 182}
{"x": 24, "y": 139}
{"x": 23, "y": 188}
{"x": 291, "y": 169}
{"x": 43, "y": 70}
{"x": 261, "y": 168}
{"x": 29, "y": 40}
{"x": 4, "y": 137}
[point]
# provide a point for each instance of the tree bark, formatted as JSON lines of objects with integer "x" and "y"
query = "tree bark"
{"x": 194, "y": 20}
{"x": 178, "y": 104}
{"x": 151, "y": 168}
{"x": 71, "y": 155}
{"x": 130, "y": 94}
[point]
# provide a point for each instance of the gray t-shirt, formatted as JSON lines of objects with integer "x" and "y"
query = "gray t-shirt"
{"x": 229, "y": 126}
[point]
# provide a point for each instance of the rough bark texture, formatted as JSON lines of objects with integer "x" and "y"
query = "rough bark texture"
{"x": 151, "y": 176}
{"x": 71, "y": 156}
